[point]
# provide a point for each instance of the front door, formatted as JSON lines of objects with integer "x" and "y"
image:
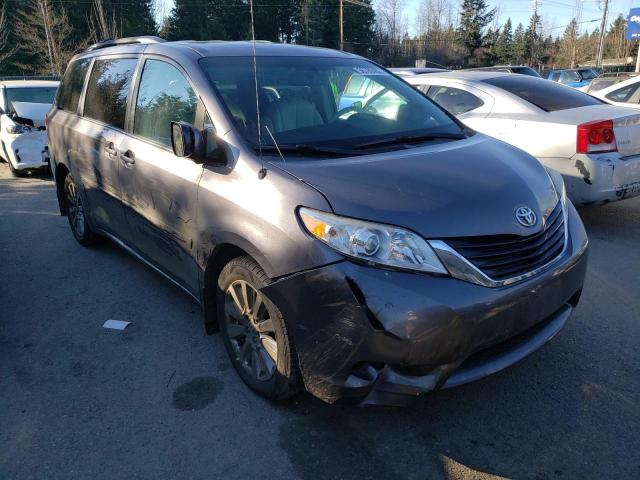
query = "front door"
{"x": 160, "y": 189}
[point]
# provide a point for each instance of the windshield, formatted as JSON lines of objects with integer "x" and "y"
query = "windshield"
{"x": 322, "y": 102}
{"x": 31, "y": 94}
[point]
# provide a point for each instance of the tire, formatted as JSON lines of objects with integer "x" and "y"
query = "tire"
{"x": 76, "y": 213}
{"x": 15, "y": 172}
{"x": 258, "y": 343}
{"x": 3, "y": 153}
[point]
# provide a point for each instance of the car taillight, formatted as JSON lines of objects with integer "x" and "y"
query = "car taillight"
{"x": 596, "y": 137}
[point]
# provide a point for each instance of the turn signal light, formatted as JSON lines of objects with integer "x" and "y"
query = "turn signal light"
{"x": 596, "y": 137}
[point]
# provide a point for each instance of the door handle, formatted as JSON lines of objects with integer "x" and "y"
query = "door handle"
{"x": 110, "y": 150}
{"x": 128, "y": 158}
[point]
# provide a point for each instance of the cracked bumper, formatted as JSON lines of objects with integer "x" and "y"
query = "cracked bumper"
{"x": 366, "y": 335}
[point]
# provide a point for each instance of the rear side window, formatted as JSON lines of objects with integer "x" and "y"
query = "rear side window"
{"x": 71, "y": 85}
{"x": 625, "y": 94}
{"x": 164, "y": 96}
{"x": 548, "y": 96}
{"x": 454, "y": 100}
{"x": 108, "y": 90}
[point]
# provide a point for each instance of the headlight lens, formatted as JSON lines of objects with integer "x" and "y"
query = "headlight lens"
{"x": 372, "y": 242}
{"x": 558, "y": 184}
{"x": 18, "y": 129}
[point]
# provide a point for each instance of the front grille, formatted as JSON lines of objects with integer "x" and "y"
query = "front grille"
{"x": 506, "y": 256}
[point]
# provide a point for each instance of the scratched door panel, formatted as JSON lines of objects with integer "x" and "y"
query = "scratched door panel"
{"x": 159, "y": 195}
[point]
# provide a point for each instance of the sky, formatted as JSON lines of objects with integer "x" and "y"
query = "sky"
{"x": 556, "y": 14}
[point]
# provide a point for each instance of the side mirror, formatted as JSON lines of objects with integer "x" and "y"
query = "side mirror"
{"x": 214, "y": 148}
{"x": 187, "y": 141}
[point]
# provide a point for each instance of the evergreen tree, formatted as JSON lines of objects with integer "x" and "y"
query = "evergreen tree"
{"x": 133, "y": 17}
{"x": 475, "y": 16}
{"x": 519, "y": 44}
{"x": 490, "y": 41}
{"x": 202, "y": 21}
{"x": 319, "y": 25}
{"x": 504, "y": 44}
{"x": 533, "y": 41}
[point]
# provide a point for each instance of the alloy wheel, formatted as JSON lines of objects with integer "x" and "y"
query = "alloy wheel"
{"x": 75, "y": 209}
{"x": 250, "y": 330}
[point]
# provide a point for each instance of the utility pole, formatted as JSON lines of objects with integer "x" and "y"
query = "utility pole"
{"x": 359, "y": 3}
{"x": 603, "y": 27}
{"x": 534, "y": 32}
{"x": 574, "y": 39}
{"x": 341, "y": 28}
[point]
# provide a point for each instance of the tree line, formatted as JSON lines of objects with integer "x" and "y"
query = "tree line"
{"x": 39, "y": 36}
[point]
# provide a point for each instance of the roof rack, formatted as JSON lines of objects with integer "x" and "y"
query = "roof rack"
{"x": 142, "y": 40}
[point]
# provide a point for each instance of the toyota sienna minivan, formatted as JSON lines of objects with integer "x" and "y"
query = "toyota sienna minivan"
{"x": 367, "y": 252}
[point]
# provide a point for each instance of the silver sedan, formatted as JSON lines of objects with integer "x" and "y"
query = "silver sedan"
{"x": 595, "y": 146}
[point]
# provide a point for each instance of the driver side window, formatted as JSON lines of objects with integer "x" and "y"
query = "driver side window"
{"x": 164, "y": 96}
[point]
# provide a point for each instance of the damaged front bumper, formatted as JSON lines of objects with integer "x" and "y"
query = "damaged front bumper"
{"x": 28, "y": 151}
{"x": 373, "y": 336}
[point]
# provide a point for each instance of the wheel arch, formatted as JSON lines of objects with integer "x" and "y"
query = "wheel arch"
{"x": 216, "y": 261}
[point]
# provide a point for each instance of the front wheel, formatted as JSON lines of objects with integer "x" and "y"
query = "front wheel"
{"x": 254, "y": 333}
{"x": 76, "y": 213}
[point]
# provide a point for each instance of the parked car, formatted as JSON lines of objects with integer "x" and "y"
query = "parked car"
{"x": 573, "y": 77}
{"x": 595, "y": 146}
{"x": 23, "y": 137}
{"x": 365, "y": 257}
{"x": 606, "y": 80}
{"x": 625, "y": 93}
{"x": 408, "y": 71}
{"x": 519, "y": 69}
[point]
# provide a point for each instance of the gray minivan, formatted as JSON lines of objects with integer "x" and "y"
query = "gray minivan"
{"x": 367, "y": 252}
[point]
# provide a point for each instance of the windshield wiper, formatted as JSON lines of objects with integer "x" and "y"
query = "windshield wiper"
{"x": 307, "y": 149}
{"x": 410, "y": 139}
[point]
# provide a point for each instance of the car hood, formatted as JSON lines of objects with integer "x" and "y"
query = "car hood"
{"x": 32, "y": 111}
{"x": 460, "y": 188}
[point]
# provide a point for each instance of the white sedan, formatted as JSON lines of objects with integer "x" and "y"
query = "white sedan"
{"x": 594, "y": 145}
{"x": 624, "y": 94}
{"x": 23, "y": 136}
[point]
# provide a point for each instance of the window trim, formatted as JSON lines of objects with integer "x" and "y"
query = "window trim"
{"x": 133, "y": 100}
{"x": 86, "y": 87}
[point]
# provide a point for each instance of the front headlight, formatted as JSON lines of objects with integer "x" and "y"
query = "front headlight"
{"x": 18, "y": 129}
{"x": 372, "y": 243}
{"x": 558, "y": 184}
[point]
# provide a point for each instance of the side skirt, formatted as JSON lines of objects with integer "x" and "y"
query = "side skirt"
{"x": 136, "y": 255}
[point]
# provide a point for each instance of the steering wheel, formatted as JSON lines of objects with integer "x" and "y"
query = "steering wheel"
{"x": 351, "y": 108}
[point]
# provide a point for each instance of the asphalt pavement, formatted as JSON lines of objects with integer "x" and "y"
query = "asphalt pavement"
{"x": 160, "y": 400}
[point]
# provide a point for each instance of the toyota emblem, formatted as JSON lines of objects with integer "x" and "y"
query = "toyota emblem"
{"x": 526, "y": 217}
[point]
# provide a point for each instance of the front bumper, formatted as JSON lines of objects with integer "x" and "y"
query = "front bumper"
{"x": 598, "y": 178}
{"x": 366, "y": 335}
{"x": 28, "y": 151}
